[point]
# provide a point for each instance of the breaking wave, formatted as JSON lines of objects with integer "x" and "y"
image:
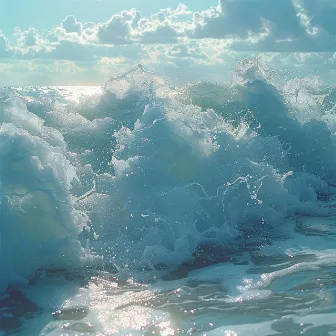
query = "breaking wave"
{"x": 140, "y": 174}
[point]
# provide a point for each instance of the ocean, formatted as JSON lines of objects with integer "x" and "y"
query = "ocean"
{"x": 145, "y": 208}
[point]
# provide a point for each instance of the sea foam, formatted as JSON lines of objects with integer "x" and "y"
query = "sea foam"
{"x": 155, "y": 171}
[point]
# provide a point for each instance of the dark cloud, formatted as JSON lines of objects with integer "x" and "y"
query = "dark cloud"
{"x": 273, "y": 26}
{"x": 240, "y": 18}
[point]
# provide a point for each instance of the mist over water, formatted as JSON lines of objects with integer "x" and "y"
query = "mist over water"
{"x": 144, "y": 208}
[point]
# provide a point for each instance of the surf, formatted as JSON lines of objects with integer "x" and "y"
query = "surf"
{"x": 204, "y": 192}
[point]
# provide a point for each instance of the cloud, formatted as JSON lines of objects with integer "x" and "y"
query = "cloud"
{"x": 118, "y": 29}
{"x": 321, "y": 14}
{"x": 238, "y": 25}
{"x": 185, "y": 51}
{"x": 263, "y": 25}
{"x": 181, "y": 9}
{"x": 250, "y": 21}
{"x": 30, "y": 38}
{"x": 161, "y": 33}
{"x": 5, "y": 48}
{"x": 124, "y": 35}
{"x": 179, "y": 40}
{"x": 324, "y": 18}
{"x": 71, "y": 25}
{"x": 80, "y": 52}
{"x": 60, "y": 44}
{"x": 129, "y": 27}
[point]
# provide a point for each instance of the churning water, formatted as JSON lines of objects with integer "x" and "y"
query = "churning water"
{"x": 145, "y": 209}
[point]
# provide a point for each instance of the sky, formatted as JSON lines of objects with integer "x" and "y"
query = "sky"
{"x": 83, "y": 42}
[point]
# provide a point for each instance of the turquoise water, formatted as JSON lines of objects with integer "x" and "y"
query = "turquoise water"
{"x": 139, "y": 208}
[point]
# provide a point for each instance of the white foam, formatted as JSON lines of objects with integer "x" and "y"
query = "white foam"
{"x": 168, "y": 175}
{"x": 37, "y": 222}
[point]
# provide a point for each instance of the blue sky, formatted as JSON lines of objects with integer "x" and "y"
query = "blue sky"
{"x": 83, "y": 42}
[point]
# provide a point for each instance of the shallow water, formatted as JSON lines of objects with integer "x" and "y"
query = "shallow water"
{"x": 284, "y": 289}
{"x": 208, "y": 209}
